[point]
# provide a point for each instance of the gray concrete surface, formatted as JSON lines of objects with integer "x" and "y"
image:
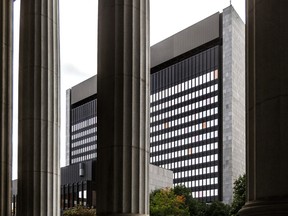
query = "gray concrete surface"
{"x": 6, "y": 14}
{"x": 123, "y": 108}
{"x": 39, "y": 108}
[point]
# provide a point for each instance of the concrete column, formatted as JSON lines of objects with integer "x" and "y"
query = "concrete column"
{"x": 267, "y": 110}
{"x": 6, "y": 14}
{"x": 123, "y": 108}
{"x": 39, "y": 101}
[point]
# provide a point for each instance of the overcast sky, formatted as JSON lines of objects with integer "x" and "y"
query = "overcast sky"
{"x": 78, "y": 41}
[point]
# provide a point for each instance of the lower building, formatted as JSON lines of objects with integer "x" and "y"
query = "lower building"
{"x": 78, "y": 184}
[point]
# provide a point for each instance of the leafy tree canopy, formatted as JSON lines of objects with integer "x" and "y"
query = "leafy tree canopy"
{"x": 179, "y": 201}
{"x": 79, "y": 211}
{"x": 239, "y": 195}
{"x": 165, "y": 202}
{"x": 217, "y": 209}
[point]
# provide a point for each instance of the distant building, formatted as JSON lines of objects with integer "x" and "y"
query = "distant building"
{"x": 197, "y": 110}
{"x": 81, "y": 122}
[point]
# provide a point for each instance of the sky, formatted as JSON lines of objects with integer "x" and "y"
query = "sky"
{"x": 78, "y": 42}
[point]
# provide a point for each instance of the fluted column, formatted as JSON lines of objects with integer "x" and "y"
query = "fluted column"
{"x": 6, "y": 14}
{"x": 123, "y": 107}
{"x": 39, "y": 123}
{"x": 267, "y": 111}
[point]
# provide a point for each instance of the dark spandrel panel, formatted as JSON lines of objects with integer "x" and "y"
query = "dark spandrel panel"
{"x": 208, "y": 61}
{"x": 205, "y": 63}
{"x": 84, "y": 111}
{"x": 189, "y": 67}
{"x": 197, "y": 64}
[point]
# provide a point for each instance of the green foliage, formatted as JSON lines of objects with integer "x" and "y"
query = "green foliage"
{"x": 196, "y": 208}
{"x": 79, "y": 211}
{"x": 165, "y": 202}
{"x": 182, "y": 190}
{"x": 217, "y": 209}
{"x": 239, "y": 195}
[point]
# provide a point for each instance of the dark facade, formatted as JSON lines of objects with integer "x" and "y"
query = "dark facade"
{"x": 78, "y": 185}
{"x": 185, "y": 127}
{"x": 83, "y": 130}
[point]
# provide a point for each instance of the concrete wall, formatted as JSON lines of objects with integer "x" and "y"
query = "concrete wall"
{"x": 186, "y": 40}
{"x": 233, "y": 100}
{"x": 84, "y": 89}
{"x": 159, "y": 178}
{"x": 68, "y": 112}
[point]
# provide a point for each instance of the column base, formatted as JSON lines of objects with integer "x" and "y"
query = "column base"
{"x": 265, "y": 208}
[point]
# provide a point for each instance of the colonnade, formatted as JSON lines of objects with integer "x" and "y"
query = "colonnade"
{"x": 123, "y": 94}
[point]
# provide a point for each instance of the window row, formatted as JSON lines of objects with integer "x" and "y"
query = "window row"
{"x": 184, "y": 120}
{"x": 182, "y": 131}
{"x": 188, "y": 151}
{"x": 196, "y": 138}
{"x": 184, "y": 98}
{"x": 84, "y": 124}
{"x": 84, "y": 141}
{"x": 205, "y": 193}
{"x": 184, "y": 163}
{"x": 205, "y": 78}
{"x": 84, "y": 158}
{"x": 195, "y": 172}
{"x": 84, "y": 194}
{"x": 201, "y": 182}
{"x": 83, "y": 150}
{"x": 183, "y": 109}
{"x": 84, "y": 133}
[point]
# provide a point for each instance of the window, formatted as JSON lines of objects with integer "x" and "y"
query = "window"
{"x": 216, "y": 74}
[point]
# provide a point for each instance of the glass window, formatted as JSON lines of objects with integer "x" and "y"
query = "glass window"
{"x": 216, "y": 74}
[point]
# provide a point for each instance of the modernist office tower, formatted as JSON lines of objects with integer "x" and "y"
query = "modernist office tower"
{"x": 81, "y": 122}
{"x": 197, "y": 110}
{"x": 198, "y": 105}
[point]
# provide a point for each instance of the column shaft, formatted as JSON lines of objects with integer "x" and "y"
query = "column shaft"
{"x": 6, "y": 13}
{"x": 123, "y": 108}
{"x": 39, "y": 101}
{"x": 267, "y": 110}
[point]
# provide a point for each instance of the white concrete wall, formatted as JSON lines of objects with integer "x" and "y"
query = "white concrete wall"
{"x": 233, "y": 100}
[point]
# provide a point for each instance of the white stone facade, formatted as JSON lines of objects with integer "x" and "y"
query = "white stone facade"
{"x": 233, "y": 100}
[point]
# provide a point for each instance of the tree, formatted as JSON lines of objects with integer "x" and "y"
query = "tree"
{"x": 165, "y": 202}
{"x": 239, "y": 195}
{"x": 217, "y": 208}
{"x": 179, "y": 201}
{"x": 79, "y": 211}
{"x": 196, "y": 208}
{"x": 182, "y": 190}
